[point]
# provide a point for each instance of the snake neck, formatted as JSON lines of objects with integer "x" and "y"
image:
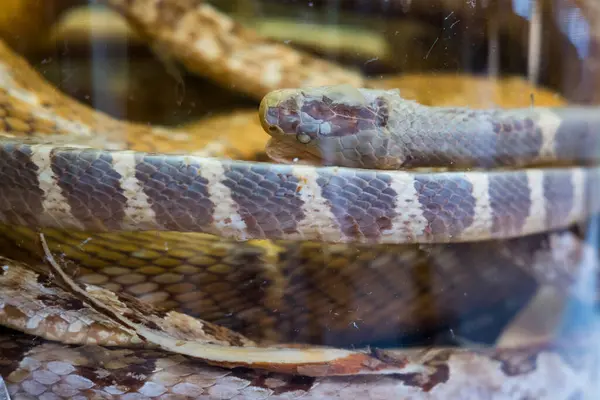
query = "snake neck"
{"x": 492, "y": 138}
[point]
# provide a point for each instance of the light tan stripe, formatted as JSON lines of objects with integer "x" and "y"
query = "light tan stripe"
{"x": 318, "y": 215}
{"x": 226, "y": 218}
{"x": 549, "y": 123}
{"x": 536, "y": 220}
{"x": 483, "y": 218}
{"x": 138, "y": 213}
{"x": 409, "y": 223}
{"x": 578, "y": 210}
{"x": 57, "y": 211}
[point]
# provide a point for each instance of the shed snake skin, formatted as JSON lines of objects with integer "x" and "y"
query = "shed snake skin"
{"x": 48, "y": 186}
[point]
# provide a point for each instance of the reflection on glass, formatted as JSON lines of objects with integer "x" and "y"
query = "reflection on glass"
{"x": 277, "y": 199}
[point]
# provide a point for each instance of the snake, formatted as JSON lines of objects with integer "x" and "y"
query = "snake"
{"x": 60, "y": 176}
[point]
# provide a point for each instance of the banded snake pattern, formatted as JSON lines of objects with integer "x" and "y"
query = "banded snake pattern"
{"x": 66, "y": 181}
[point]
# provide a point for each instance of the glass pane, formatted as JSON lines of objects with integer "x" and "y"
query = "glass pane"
{"x": 299, "y": 199}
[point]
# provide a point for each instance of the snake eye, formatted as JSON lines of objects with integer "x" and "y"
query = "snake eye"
{"x": 303, "y": 138}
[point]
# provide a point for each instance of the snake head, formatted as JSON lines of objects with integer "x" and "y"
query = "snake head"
{"x": 328, "y": 125}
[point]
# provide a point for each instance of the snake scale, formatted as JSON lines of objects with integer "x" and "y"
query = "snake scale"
{"x": 67, "y": 169}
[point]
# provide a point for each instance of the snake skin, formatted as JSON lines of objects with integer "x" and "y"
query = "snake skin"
{"x": 98, "y": 191}
{"x": 38, "y": 368}
{"x": 378, "y": 129}
{"x": 45, "y": 184}
{"x": 145, "y": 369}
{"x": 367, "y": 132}
{"x": 211, "y": 44}
{"x": 310, "y": 292}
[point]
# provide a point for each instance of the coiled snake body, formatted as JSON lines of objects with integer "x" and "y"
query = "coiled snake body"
{"x": 369, "y": 134}
{"x": 94, "y": 190}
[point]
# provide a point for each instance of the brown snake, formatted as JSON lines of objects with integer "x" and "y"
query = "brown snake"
{"x": 45, "y": 185}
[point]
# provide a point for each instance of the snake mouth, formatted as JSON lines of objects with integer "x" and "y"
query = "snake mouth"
{"x": 283, "y": 148}
{"x": 283, "y": 152}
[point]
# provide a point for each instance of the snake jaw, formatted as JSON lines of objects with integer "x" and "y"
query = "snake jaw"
{"x": 283, "y": 152}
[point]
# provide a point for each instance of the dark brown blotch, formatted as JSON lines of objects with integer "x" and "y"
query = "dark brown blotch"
{"x": 528, "y": 123}
{"x": 517, "y": 125}
{"x": 218, "y": 332}
{"x": 510, "y": 201}
{"x": 45, "y": 280}
{"x": 496, "y": 127}
{"x": 268, "y": 198}
{"x": 21, "y": 199}
{"x": 91, "y": 186}
{"x": 285, "y": 383}
{"x": 382, "y": 112}
{"x": 177, "y": 192}
{"x": 558, "y": 196}
{"x": 447, "y": 204}
{"x": 14, "y": 347}
{"x": 342, "y": 119}
{"x": 363, "y": 203}
{"x": 68, "y": 304}
{"x": 438, "y": 372}
{"x": 518, "y": 139}
{"x": 133, "y": 375}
